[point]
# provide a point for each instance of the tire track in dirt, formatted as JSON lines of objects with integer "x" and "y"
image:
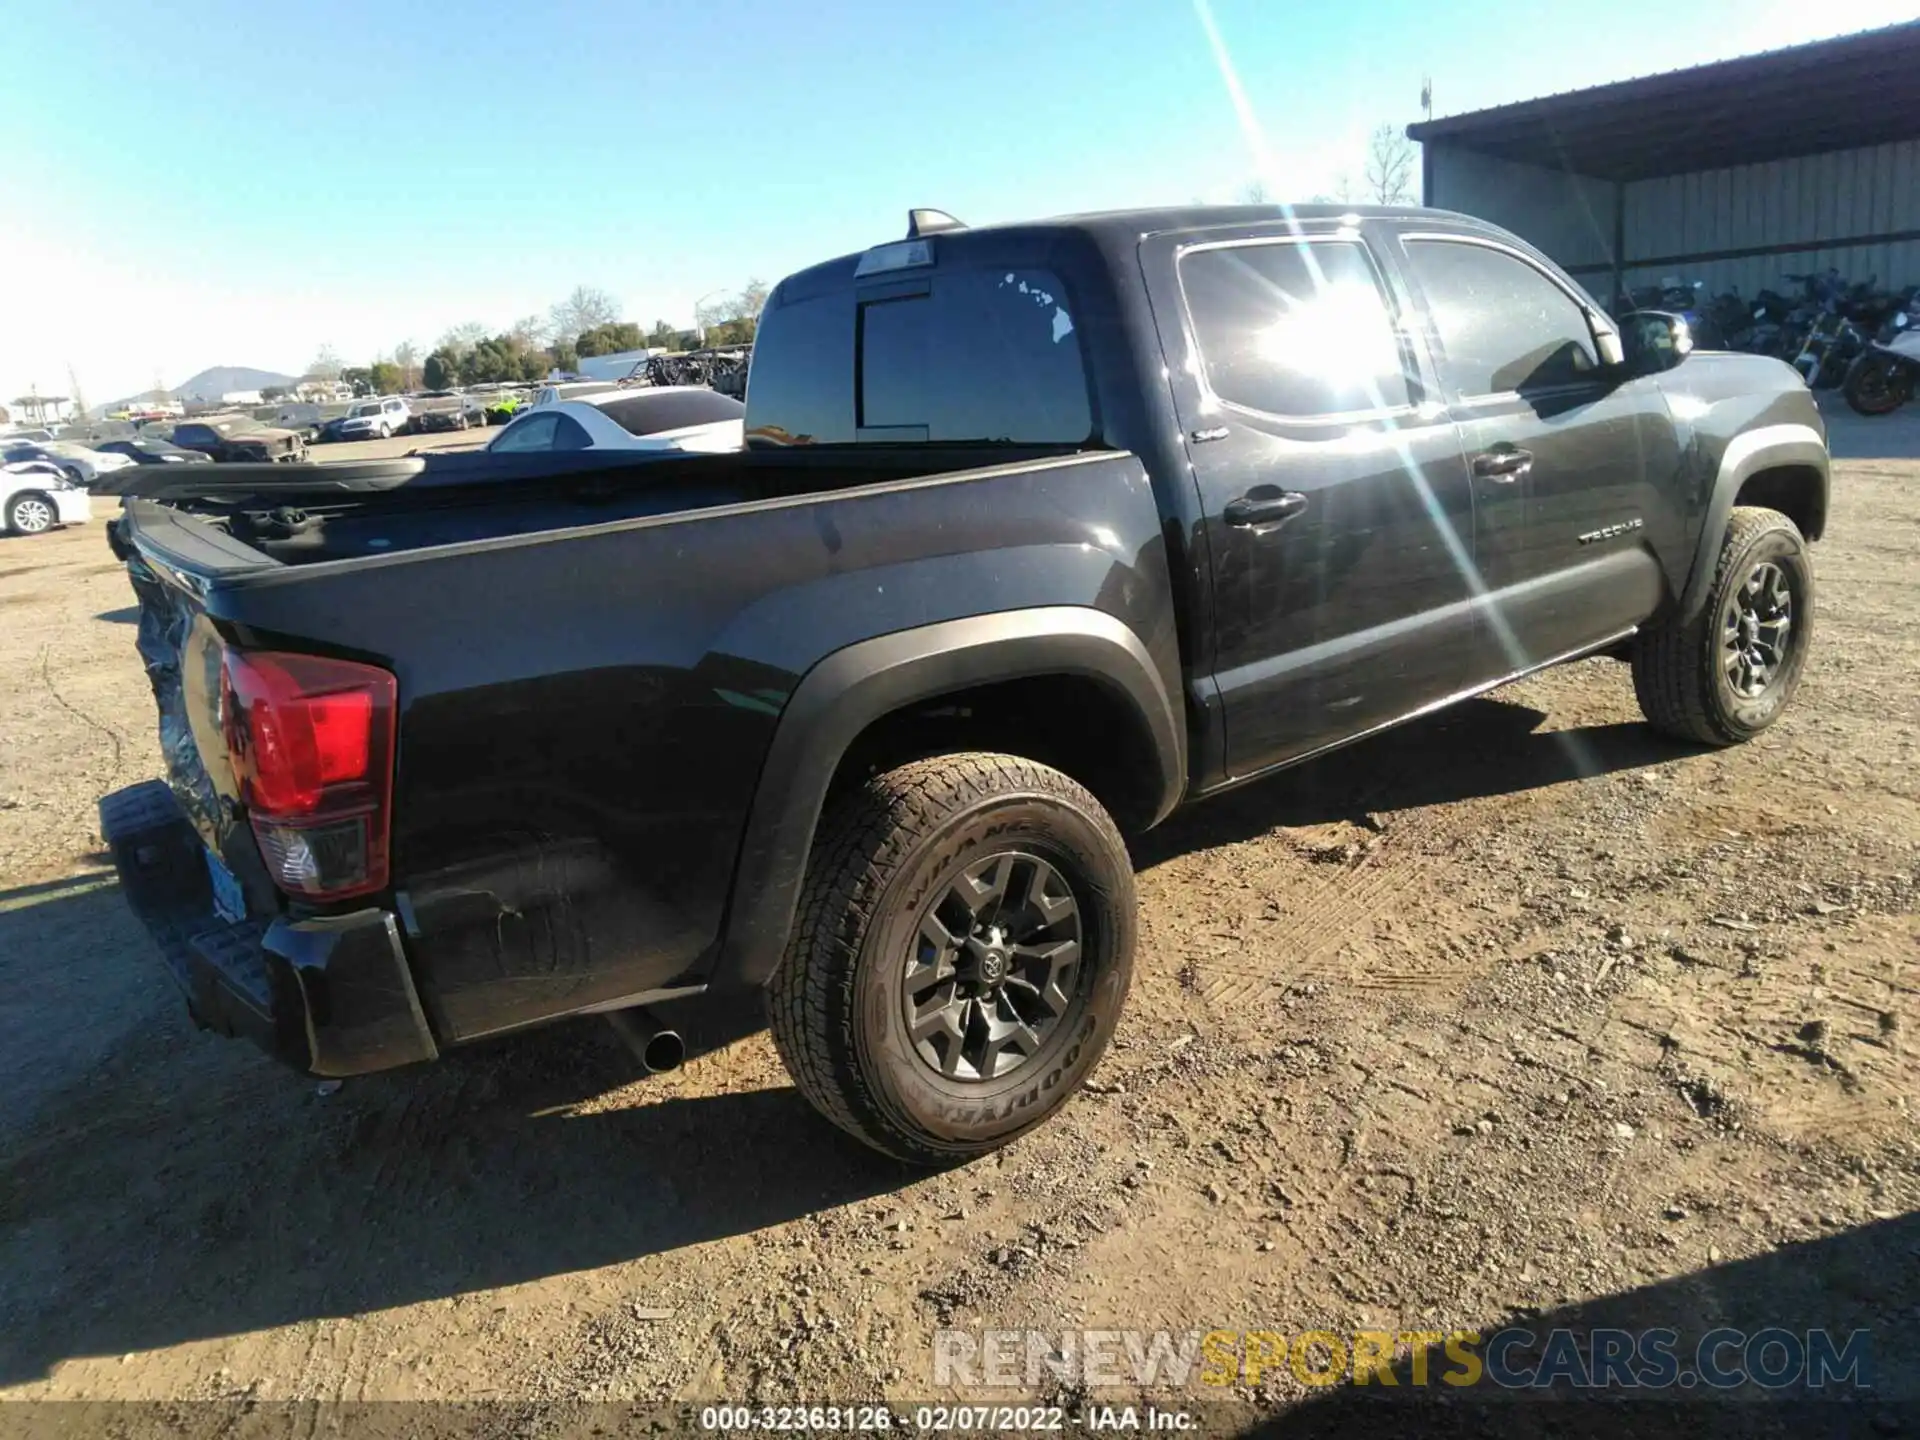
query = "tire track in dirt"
{"x": 1409, "y": 859}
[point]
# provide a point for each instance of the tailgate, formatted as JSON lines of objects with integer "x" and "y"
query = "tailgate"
{"x": 181, "y": 650}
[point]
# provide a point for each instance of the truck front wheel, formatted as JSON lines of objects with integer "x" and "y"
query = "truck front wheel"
{"x": 960, "y": 957}
{"x": 1727, "y": 674}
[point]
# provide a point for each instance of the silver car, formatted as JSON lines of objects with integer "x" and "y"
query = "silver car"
{"x": 77, "y": 462}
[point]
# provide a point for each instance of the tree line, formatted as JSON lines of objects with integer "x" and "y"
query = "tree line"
{"x": 587, "y": 323}
{"x": 1386, "y": 176}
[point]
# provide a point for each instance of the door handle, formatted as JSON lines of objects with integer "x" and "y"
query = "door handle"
{"x": 1264, "y": 509}
{"x": 1506, "y": 464}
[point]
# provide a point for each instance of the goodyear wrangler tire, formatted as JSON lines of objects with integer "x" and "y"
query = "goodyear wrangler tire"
{"x": 1730, "y": 672}
{"x": 960, "y": 957}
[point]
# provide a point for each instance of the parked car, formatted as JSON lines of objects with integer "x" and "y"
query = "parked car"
{"x": 377, "y": 419}
{"x": 151, "y": 450}
{"x": 504, "y": 405}
{"x": 304, "y": 419}
{"x": 236, "y": 439}
{"x": 142, "y": 451}
{"x": 1098, "y": 517}
{"x": 79, "y": 463}
{"x": 464, "y": 413}
{"x": 571, "y": 390}
{"x": 26, "y": 433}
{"x": 681, "y": 417}
{"x": 36, "y": 495}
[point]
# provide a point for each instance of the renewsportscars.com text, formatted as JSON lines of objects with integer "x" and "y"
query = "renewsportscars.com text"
{"x": 1510, "y": 1358}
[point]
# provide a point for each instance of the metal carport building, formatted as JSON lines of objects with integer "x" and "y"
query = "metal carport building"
{"x": 1731, "y": 174}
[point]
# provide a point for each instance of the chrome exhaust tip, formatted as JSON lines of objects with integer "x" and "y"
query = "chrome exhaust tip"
{"x": 658, "y": 1048}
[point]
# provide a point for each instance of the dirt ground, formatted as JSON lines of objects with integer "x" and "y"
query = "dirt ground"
{"x": 439, "y": 442}
{"x": 1517, "y": 1012}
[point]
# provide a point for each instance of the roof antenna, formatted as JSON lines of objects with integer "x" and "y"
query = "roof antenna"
{"x": 930, "y": 222}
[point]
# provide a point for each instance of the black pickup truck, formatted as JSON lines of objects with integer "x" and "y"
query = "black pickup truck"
{"x": 1043, "y": 530}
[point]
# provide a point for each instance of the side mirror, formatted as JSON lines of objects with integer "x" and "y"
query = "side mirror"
{"x": 1655, "y": 340}
{"x": 1612, "y": 352}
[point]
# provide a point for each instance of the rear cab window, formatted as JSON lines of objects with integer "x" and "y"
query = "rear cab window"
{"x": 956, "y": 352}
{"x": 645, "y": 412}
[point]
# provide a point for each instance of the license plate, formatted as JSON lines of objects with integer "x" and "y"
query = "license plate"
{"x": 228, "y": 899}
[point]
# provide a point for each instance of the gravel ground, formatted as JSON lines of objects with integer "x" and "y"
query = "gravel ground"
{"x": 1516, "y": 1012}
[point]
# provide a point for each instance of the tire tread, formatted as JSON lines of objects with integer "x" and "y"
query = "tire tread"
{"x": 1671, "y": 663}
{"x": 860, "y": 846}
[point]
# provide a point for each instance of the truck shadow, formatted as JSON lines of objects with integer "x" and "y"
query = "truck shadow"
{"x": 159, "y": 1186}
{"x": 1478, "y": 748}
{"x": 1861, "y": 1279}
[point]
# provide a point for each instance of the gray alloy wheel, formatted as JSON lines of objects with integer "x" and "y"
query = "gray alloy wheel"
{"x": 992, "y": 968}
{"x": 1729, "y": 672}
{"x": 1756, "y": 629}
{"x": 31, "y": 514}
{"x": 960, "y": 955}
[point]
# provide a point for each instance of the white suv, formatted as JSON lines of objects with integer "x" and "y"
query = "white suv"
{"x": 381, "y": 418}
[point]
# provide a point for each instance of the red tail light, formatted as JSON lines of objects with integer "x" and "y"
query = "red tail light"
{"x": 311, "y": 741}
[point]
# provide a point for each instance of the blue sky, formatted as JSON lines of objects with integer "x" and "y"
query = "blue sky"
{"x": 231, "y": 183}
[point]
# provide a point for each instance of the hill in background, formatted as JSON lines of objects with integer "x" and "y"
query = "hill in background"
{"x": 209, "y": 384}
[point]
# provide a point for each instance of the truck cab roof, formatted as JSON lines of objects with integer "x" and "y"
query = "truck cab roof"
{"x": 1030, "y": 333}
{"x": 1119, "y": 230}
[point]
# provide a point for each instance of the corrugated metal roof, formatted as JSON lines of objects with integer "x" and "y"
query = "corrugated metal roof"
{"x": 1854, "y": 90}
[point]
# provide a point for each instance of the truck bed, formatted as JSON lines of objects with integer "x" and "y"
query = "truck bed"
{"x": 591, "y": 666}
{"x": 309, "y": 514}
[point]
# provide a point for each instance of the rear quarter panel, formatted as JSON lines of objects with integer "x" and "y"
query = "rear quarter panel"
{"x": 585, "y": 712}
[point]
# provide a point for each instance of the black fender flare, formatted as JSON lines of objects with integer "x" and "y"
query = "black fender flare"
{"x": 1745, "y": 456}
{"x": 853, "y": 687}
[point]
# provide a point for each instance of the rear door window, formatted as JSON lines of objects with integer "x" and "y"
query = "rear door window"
{"x": 533, "y": 433}
{"x": 1294, "y": 328}
{"x": 1503, "y": 325}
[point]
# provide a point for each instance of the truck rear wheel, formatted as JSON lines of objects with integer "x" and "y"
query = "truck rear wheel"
{"x": 1727, "y": 674}
{"x": 961, "y": 953}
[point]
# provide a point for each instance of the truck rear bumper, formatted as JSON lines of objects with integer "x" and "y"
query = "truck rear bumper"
{"x": 330, "y": 996}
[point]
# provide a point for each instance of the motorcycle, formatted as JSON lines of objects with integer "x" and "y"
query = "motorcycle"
{"x": 1883, "y": 378}
{"x": 1829, "y": 348}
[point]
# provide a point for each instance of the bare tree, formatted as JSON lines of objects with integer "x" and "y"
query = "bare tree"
{"x": 583, "y": 310}
{"x": 529, "y": 332}
{"x": 1254, "y": 192}
{"x": 708, "y": 313}
{"x": 1342, "y": 192}
{"x": 326, "y": 365}
{"x": 462, "y": 338}
{"x": 721, "y": 309}
{"x": 1390, "y": 167}
{"x": 407, "y": 356}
